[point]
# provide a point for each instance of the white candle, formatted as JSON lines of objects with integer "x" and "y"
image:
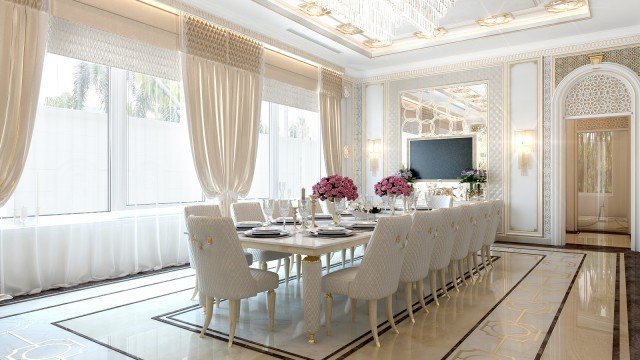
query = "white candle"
{"x": 302, "y": 195}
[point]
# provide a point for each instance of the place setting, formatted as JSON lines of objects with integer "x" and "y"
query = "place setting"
{"x": 267, "y": 232}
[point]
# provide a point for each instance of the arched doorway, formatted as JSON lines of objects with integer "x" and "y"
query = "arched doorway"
{"x": 623, "y": 100}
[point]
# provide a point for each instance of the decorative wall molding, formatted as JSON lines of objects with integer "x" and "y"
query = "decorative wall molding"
{"x": 628, "y": 56}
{"x": 608, "y": 123}
{"x": 547, "y": 161}
{"x": 598, "y": 94}
{"x": 357, "y": 134}
{"x": 581, "y": 48}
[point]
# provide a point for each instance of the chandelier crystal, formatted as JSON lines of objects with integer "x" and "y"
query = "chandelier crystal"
{"x": 381, "y": 18}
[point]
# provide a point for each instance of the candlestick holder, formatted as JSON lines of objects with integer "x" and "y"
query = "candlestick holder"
{"x": 294, "y": 214}
{"x": 314, "y": 204}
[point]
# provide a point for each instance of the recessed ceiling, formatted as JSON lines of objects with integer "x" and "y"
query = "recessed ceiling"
{"x": 461, "y": 22}
{"x": 606, "y": 17}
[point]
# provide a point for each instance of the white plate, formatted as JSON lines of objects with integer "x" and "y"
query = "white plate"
{"x": 332, "y": 235}
{"x": 332, "y": 230}
{"x": 249, "y": 224}
{"x": 266, "y": 230}
{"x": 251, "y": 233}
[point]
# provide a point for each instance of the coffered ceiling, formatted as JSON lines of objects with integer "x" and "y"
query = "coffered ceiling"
{"x": 532, "y": 24}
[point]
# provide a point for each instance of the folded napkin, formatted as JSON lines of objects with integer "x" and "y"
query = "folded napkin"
{"x": 364, "y": 224}
{"x": 248, "y": 224}
{"x": 332, "y": 230}
{"x": 266, "y": 230}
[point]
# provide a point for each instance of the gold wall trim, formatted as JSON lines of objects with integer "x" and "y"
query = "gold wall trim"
{"x": 608, "y": 123}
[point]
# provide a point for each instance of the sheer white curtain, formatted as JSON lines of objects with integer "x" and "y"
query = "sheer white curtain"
{"x": 23, "y": 39}
{"x": 221, "y": 73}
{"x": 330, "y": 117}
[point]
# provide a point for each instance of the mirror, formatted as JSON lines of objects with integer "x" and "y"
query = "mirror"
{"x": 450, "y": 111}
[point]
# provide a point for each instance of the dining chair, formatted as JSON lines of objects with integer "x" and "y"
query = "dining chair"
{"x": 377, "y": 276}
{"x": 417, "y": 258}
{"x": 222, "y": 271}
{"x": 479, "y": 226}
{"x": 440, "y": 201}
{"x": 441, "y": 255}
{"x": 495, "y": 216}
{"x": 210, "y": 211}
{"x": 461, "y": 243}
{"x": 252, "y": 211}
{"x": 330, "y": 208}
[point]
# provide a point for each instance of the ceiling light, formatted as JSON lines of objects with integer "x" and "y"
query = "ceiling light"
{"x": 376, "y": 44}
{"x": 557, "y": 6}
{"x": 348, "y": 29}
{"x": 436, "y": 33}
{"x": 495, "y": 20}
{"x": 313, "y": 9}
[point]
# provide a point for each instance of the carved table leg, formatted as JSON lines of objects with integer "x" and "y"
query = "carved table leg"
{"x": 312, "y": 269}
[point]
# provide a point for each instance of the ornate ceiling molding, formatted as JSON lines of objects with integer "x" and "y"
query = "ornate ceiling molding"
{"x": 581, "y": 48}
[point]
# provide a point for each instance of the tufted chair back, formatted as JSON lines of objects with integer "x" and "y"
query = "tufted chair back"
{"x": 379, "y": 272}
{"x": 480, "y": 224}
{"x": 496, "y": 208}
{"x": 202, "y": 210}
{"x": 421, "y": 241}
{"x": 247, "y": 211}
{"x": 221, "y": 266}
{"x": 463, "y": 234}
{"x": 440, "y": 201}
{"x": 441, "y": 255}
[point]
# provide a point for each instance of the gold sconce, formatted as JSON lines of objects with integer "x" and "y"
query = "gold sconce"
{"x": 374, "y": 149}
{"x": 525, "y": 145}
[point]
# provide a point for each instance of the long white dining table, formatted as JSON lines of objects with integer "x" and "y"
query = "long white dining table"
{"x": 311, "y": 247}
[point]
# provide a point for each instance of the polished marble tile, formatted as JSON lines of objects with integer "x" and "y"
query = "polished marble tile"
{"x": 594, "y": 239}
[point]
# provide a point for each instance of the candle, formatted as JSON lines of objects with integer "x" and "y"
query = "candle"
{"x": 302, "y": 195}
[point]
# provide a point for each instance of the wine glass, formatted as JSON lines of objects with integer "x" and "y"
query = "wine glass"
{"x": 368, "y": 205}
{"x": 304, "y": 206}
{"x": 412, "y": 203}
{"x": 268, "y": 206}
{"x": 284, "y": 207}
{"x": 341, "y": 205}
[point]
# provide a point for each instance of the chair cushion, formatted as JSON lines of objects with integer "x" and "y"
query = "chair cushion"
{"x": 265, "y": 280}
{"x": 338, "y": 282}
{"x": 266, "y": 255}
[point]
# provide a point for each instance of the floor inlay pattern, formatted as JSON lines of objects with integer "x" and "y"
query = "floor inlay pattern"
{"x": 535, "y": 303}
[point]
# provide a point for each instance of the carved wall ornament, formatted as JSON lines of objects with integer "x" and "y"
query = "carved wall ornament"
{"x": 598, "y": 94}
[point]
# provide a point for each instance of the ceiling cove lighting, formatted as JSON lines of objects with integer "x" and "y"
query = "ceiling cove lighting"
{"x": 376, "y": 44}
{"x": 313, "y": 9}
{"x": 557, "y": 6}
{"x": 348, "y": 29}
{"x": 496, "y": 20}
{"x": 439, "y": 32}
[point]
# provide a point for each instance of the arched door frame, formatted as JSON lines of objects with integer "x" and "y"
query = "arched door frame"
{"x": 558, "y": 150}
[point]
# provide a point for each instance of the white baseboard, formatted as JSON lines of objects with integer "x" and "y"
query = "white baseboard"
{"x": 524, "y": 239}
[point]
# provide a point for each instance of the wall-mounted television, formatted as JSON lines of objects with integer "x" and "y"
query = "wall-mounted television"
{"x": 440, "y": 158}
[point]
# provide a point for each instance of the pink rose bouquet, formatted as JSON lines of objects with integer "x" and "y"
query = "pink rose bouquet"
{"x": 335, "y": 187}
{"x": 393, "y": 185}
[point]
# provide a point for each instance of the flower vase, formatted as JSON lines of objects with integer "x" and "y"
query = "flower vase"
{"x": 393, "y": 205}
{"x": 404, "y": 205}
{"x": 334, "y": 212}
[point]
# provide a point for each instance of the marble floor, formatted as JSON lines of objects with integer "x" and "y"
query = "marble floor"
{"x": 594, "y": 239}
{"x": 533, "y": 303}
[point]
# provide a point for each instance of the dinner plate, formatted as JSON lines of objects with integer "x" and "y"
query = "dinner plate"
{"x": 248, "y": 224}
{"x": 250, "y": 233}
{"x": 347, "y": 233}
{"x": 332, "y": 230}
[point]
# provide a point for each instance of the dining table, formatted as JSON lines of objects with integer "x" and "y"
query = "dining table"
{"x": 311, "y": 247}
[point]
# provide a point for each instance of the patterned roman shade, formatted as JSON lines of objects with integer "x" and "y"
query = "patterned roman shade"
{"x": 330, "y": 82}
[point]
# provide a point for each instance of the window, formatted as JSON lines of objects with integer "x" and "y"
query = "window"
{"x": 289, "y": 151}
{"x": 105, "y": 139}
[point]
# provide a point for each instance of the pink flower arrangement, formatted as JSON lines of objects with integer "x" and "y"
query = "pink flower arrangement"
{"x": 393, "y": 185}
{"x": 335, "y": 187}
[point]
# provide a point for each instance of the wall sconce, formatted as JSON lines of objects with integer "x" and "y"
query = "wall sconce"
{"x": 374, "y": 149}
{"x": 525, "y": 145}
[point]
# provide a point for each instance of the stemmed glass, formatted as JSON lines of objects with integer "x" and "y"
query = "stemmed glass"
{"x": 304, "y": 206}
{"x": 368, "y": 205}
{"x": 412, "y": 201}
{"x": 341, "y": 205}
{"x": 268, "y": 206}
{"x": 284, "y": 207}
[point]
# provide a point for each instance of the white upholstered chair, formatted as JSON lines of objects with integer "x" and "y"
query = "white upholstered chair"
{"x": 479, "y": 223}
{"x": 210, "y": 211}
{"x": 252, "y": 211}
{"x": 440, "y": 201}
{"x": 441, "y": 255}
{"x": 376, "y": 277}
{"x": 223, "y": 272}
{"x": 461, "y": 243}
{"x": 495, "y": 216}
{"x": 417, "y": 258}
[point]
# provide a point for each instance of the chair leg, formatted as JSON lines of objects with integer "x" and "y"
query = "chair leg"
{"x": 420, "y": 290}
{"x": 364, "y": 247}
{"x": 217, "y": 302}
{"x": 373, "y": 320}
{"x": 354, "y": 309}
{"x": 353, "y": 254}
{"x": 195, "y": 289}
{"x": 328, "y": 260}
{"x": 489, "y": 255}
{"x": 293, "y": 259}
{"x": 464, "y": 278}
{"x": 278, "y": 266}
{"x": 434, "y": 289}
{"x": 443, "y": 282}
{"x": 344, "y": 258}
{"x": 409, "y": 301}
{"x": 453, "y": 270}
{"x": 298, "y": 266}
{"x": 271, "y": 299}
{"x": 208, "y": 311}
{"x": 328, "y": 311}
{"x": 234, "y": 310}
{"x": 475, "y": 263}
{"x": 287, "y": 268}
{"x": 470, "y": 265}
{"x": 263, "y": 265}
{"x": 389, "y": 304}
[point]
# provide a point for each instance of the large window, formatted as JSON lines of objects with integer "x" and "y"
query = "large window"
{"x": 105, "y": 139}
{"x": 289, "y": 151}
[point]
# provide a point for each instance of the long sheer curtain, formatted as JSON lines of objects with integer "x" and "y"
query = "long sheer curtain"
{"x": 223, "y": 90}
{"x": 23, "y": 39}
{"x": 330, "y": 117}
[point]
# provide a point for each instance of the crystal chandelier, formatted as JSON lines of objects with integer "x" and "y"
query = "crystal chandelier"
{"x": 381, "y": 18}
